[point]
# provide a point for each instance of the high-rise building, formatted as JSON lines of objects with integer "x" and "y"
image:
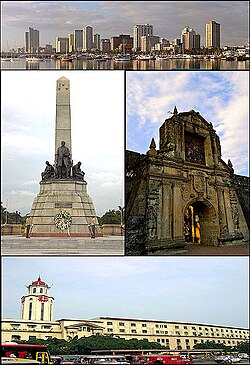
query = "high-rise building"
{"x": 139, "y": 31}
{"x": 148, "y": 42}
{"x": 122, "y": 43}
{"x": 212, "y": 34}
{"x": 190, "y": 39}
{"x": 31, "y": 40}
{"x": 87, "y": 38}
{"x": 97, "y": 41}
{"x": 78, "y": 40}
{"x": 71, "y": 42}
{"x": 105, "y": 45}
{"x": 62, "y": 45}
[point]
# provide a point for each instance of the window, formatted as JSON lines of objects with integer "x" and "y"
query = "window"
{"x": 185, "y": 327}
{"x": 133, "y": 331}
{"x": 34, "y": 290}
{"x": 166, "y": 332}
{"x": 178, "y": 340}
{"x": 133, "y": 324}
{"x": 176, "y": 326}
{"x": 15, "y": 337}
{"x": 156, "y": 326}
{"x": 162, "y": 340}
{"x": 187, "y": 340}
{"x": 144, "y": 325}
{"x": 110, "y": 329}
{"x": 41, "y": 290}
{"x": 121, "y": 323}
{"x": 122, "y": 330}
{"x": 109, "y": 323}
{"x": 158, "y": 340}
{"x": 144, "y": 331}
{"x": 165, "y": 326}
{"x": 48, "y": 327}
{"x": 186, "y": 333}
{"x": 42, "y": 311}
{"x": 30, "y": 311}
{"x": 32, "y": 337}
{"x": 177, "y": 333}
{"x": 157, "y": 331}
{"x": 31, "y": 325}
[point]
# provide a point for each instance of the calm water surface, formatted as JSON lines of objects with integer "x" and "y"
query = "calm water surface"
{"x": 174, "y": 64}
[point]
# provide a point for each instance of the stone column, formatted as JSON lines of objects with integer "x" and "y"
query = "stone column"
{"x": 63, "y": 114}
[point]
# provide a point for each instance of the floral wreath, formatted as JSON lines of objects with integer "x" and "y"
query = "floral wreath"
{"x": 63, "y": 220}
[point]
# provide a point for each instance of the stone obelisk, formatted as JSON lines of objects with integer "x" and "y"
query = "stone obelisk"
{"x": 63, "y": 206}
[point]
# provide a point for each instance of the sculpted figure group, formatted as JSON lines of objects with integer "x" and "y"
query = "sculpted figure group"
{"x": 63, "y": 166}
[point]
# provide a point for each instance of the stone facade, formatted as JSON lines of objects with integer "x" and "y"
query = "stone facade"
{"x": 183, "y": 192}
{"x": 64, "y": 195}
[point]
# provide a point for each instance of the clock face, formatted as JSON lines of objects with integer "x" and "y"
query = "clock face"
{"x": 63, "y": 220}
{"x": 43, "y": 298}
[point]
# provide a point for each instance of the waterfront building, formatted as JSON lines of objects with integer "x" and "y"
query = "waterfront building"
{"x": 97, "y": 41}
{"x": 212, "y": 34}
{"x": 148, "y": 42}
{"x": 48, "y": 48}
{"x": 78, "y": 40}
{"x": 173, "y": 335}
{"x": 62, "y": 45}
{"x": 105, "y": 45}
{"x": 31, "y": 40}
{"x": 121, "y": 43}
{"x": 87, "y": 38}
{"x": 190, "y": 39}
{"x": 71, "y": 42}
{"x": 139, "y": 31}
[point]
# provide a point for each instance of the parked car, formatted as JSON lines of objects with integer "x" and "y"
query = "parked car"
{"x": 223, "y": 359}
{"x": 166, "y": 359}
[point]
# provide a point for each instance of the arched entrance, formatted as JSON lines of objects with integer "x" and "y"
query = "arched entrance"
{"x": 201, "y": 224}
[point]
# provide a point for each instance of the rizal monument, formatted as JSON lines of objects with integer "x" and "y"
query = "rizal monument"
{"x": 62, "y": 206}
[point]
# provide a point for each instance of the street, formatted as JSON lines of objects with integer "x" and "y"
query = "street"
{"x": 41, "y": 246}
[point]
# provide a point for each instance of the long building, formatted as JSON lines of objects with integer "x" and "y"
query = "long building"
{"x": 37, "y": 323}
{"x": 139, "y": 31}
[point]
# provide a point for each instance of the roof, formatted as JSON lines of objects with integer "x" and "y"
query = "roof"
{"x": 39, "y": 282}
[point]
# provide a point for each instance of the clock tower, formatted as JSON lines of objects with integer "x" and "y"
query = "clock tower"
{"x": 37, "y": 305}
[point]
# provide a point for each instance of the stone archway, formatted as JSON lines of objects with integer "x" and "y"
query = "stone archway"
{"x": 201, "y": 225}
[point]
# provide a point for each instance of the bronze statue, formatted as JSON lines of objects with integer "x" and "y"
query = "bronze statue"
{"x": 77, "y": 172}
{"x": 63, "y": 162}
{"x": 49, "y": 172}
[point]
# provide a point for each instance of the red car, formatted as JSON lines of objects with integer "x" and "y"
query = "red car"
{"x": 166, "y": 359}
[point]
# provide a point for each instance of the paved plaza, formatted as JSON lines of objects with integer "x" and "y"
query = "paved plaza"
{"x": 40, "y": 246}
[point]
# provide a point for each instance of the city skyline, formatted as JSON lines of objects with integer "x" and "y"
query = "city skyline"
{"x": 109, "y": 19}
{"x": 192, "y": 290}
{"x": 28, "y": 134}
{"x": 221, "y": 97}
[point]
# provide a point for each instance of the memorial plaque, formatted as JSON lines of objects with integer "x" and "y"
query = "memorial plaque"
{"x": 63, "y": 205}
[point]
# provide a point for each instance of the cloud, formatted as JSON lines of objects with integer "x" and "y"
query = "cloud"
{"x": 220, "y": 97}
{"x": 58, "y": 18}
{"x": 22, "y": 193}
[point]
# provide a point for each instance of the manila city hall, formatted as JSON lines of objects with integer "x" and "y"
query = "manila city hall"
{"x": 36, "y": 322}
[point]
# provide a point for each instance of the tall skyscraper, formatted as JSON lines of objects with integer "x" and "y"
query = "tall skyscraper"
{"x": 139, "y": 31}
{"x": 97, "y": 41}
{"x": 31, "y": 40}
{"x": 78, "y": 40}
{"x": 212, "y": 34}
{"x": 87, "y": 38}
{"x": 71, "y": 42}
{"x": 190, "y": 39}
{"x": 62, "y": 45}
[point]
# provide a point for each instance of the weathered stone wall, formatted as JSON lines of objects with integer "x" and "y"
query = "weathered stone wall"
{"x": 11, "y": 229}
{"x": 242, "y": 188}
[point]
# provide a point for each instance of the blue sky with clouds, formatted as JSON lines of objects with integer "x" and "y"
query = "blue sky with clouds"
{"x": 28, "y": 133}
{"x": 212, "y": 290}
{"x": 109, "y": 18}
{"x": 221, "y": 97}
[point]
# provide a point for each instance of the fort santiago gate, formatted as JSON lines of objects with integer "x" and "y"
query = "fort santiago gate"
{"x": 62, "y": 206}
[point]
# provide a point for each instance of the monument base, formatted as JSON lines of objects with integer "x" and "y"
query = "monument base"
{"x": 62, "y": 196}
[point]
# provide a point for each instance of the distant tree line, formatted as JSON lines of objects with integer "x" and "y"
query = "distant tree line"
{"x": 11, "y": 217}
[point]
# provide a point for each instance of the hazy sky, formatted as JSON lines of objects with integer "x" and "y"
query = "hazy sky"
{"x": 221, "y": 97}
{"x": 109, "y": 18}
{"x": 211, "y": 290}
{"x": 28, "y": 133}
